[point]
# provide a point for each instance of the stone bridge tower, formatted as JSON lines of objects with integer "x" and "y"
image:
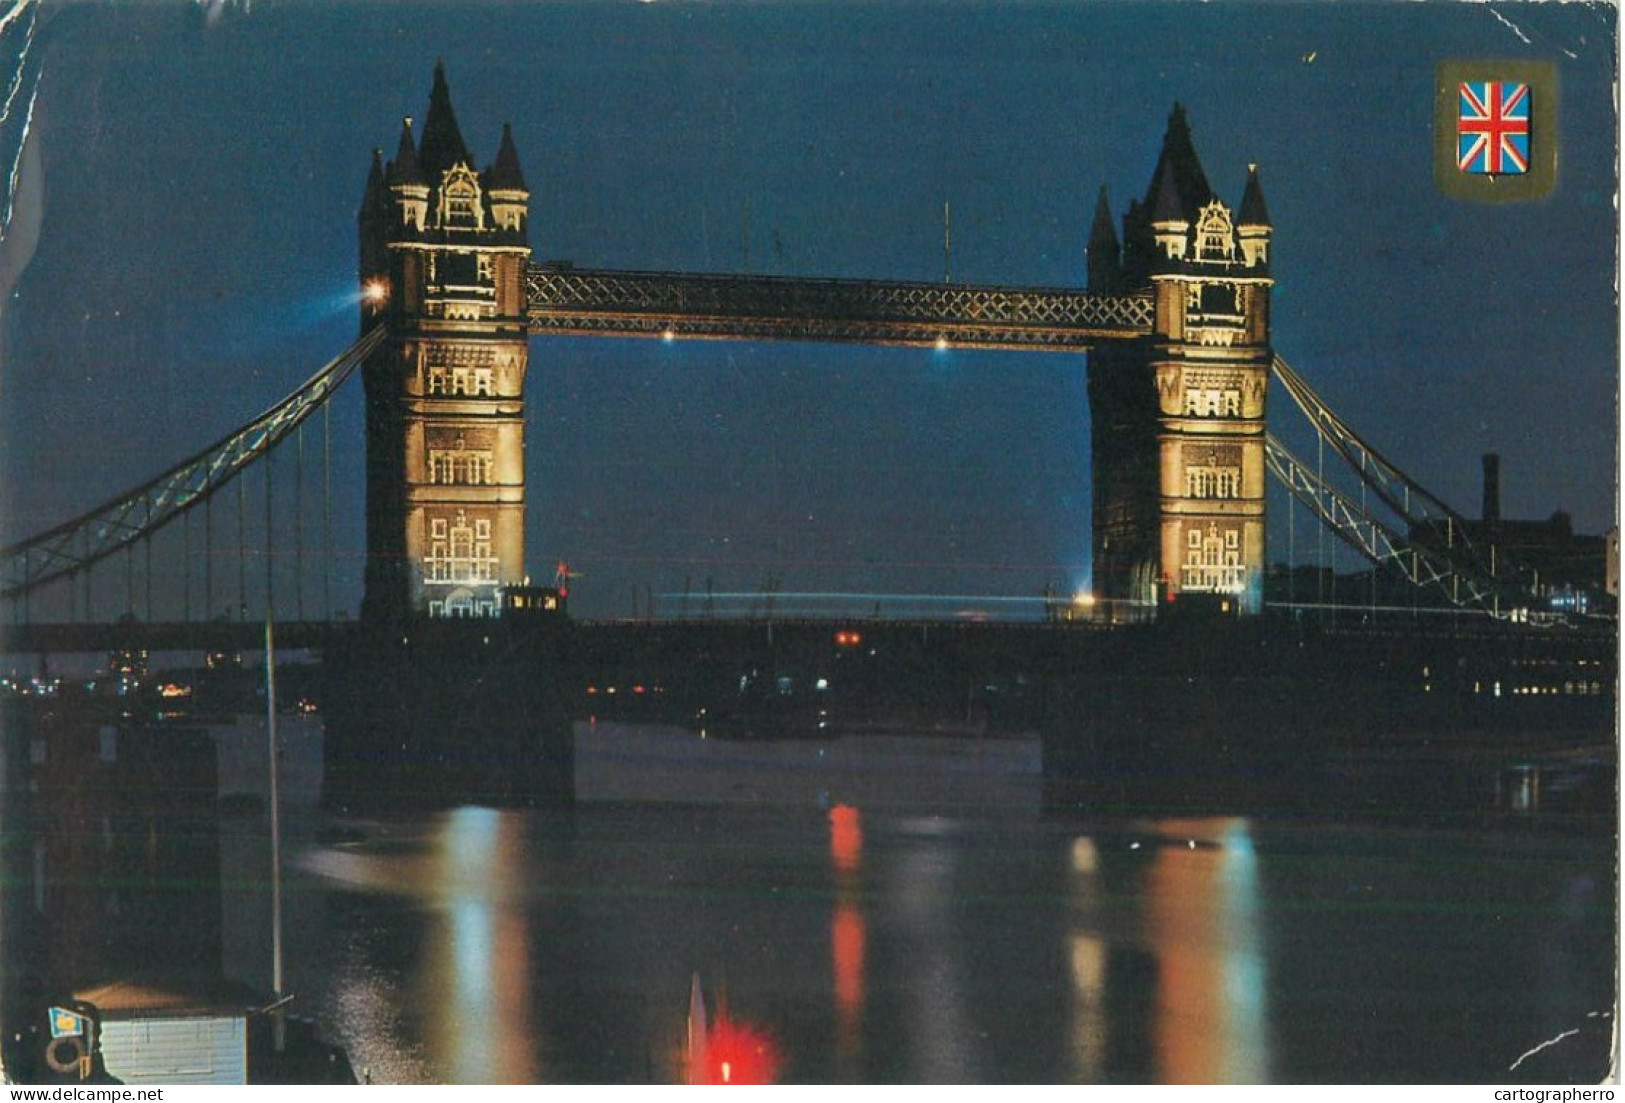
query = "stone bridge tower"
{"x": 443, "y": 257}
{"x": 1177, "y": 418}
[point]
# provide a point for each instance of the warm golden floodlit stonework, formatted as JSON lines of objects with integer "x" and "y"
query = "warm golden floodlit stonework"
{"x": 1178, "y": 416}
{"x": 445, "y": 247}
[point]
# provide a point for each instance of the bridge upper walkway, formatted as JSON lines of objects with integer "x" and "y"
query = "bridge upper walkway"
{"x": 604, "y": 302}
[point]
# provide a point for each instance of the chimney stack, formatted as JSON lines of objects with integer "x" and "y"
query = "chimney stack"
{"x": 1492, "y": 488}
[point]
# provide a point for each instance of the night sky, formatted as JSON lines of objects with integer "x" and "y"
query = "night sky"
{"x": 202, "y": 169}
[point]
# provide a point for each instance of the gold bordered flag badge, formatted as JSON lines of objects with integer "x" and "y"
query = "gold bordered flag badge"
{"x": 1495, "y": 129}
{"x": 1492, "y": 127}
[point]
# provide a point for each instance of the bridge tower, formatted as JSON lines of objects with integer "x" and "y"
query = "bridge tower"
{"x": 443, "y": 256}
{"x": 1177, "y": 417}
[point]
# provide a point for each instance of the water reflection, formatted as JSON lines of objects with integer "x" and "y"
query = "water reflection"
{"x": 476, "y": 962}
{"x": 1201, "y": 916}
{"x": 848, "y": 935}
{"x": 485, "y": 947}
{"x": 1090, "y": 1024}
{"x": 1182, "y": 1001}
{"x": 923, "y": 897}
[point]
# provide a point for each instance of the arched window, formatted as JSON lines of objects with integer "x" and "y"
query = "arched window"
{"x": 460, "y": 199}
{"x": 1215, "y": 238}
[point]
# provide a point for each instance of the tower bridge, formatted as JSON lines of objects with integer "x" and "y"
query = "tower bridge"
{"x": 447, "y": 686}
{"x": 1173, "y": 318}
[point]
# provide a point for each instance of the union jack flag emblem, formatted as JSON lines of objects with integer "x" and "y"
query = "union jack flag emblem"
{"x": 1492, "y": 128}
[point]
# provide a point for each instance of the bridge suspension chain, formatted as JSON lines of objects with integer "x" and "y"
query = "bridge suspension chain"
{"x": 1436, "y": 549}
{"x": 120, "y": 522}
{"x": 1367, "y": 534}
{"x": 1422, "y": 511}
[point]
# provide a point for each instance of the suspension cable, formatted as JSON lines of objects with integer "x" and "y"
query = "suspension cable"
{"x": 74, "y": 546}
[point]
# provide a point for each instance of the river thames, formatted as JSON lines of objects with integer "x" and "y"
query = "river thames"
{"x": 900, "y": 911}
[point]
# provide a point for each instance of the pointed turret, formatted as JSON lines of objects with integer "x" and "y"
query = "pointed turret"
{"x": 1170, "y": 225}
{"x": 505, "y": 186}
{"x": 1253, "y": 223}
{"x": 506, "y": 174}
{"x": 1167, "y": 205}
{"x": 404, "y": 169}
{"x": 1179, "y": 188}
{"x": 1179, "y": 172}
{"x": 374, "y": 196}
{"x": 372, "y": 225}
{"x": 407, "y": 182}
{"x": 1105, "y": 256}
{"x": 442, "y": 142}
{"x": 1253, "y": 211}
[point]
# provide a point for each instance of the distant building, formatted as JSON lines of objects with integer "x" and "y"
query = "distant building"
{"x": 1566, "y": 570}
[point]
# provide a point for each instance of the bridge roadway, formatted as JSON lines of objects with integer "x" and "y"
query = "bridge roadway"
{"x": 596, "y": 642}
{"x": 599, "y": 642}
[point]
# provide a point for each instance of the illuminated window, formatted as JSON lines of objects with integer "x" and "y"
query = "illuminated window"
{"x": 460, "y": 553}
{"x": 461, "y": 467}
{"x": 1212, "y": 563}
{"x": 1212, "y": 402}
{"x": 1212, "y": 482}
{"x": 1214, "y": 237}
{"x": 460, "y": 199}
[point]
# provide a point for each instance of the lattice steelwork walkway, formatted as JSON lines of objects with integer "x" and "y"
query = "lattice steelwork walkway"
{"x": 660, "y": 304}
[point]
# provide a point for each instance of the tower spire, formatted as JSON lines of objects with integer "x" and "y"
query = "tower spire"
{"x": 374, "y": 196}
{"x": 442, "y": 145}
{"x": 1253, "y": 212}
{"x": 506, "y": 174}
{"x": 1253, "y": 222}
{"x": 405, "y": 168}
{"x": 1179, "y": 171}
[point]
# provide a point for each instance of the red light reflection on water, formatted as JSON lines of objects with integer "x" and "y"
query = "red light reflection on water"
{"x": 848, "y": 929}
{"x": 739, "y": 1054}
{"x": 845, "y": 837}
{"x": 848, "y": 938}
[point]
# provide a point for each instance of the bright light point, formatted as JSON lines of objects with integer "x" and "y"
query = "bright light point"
{"x": 942, "y": 344}
{"x": 375, "y": 291}
{"x": 1083, "y": 600}
{"x": 669, "y": 336}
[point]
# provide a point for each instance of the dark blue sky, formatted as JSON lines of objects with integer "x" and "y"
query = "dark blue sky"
{"x": 197, "y": 256}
